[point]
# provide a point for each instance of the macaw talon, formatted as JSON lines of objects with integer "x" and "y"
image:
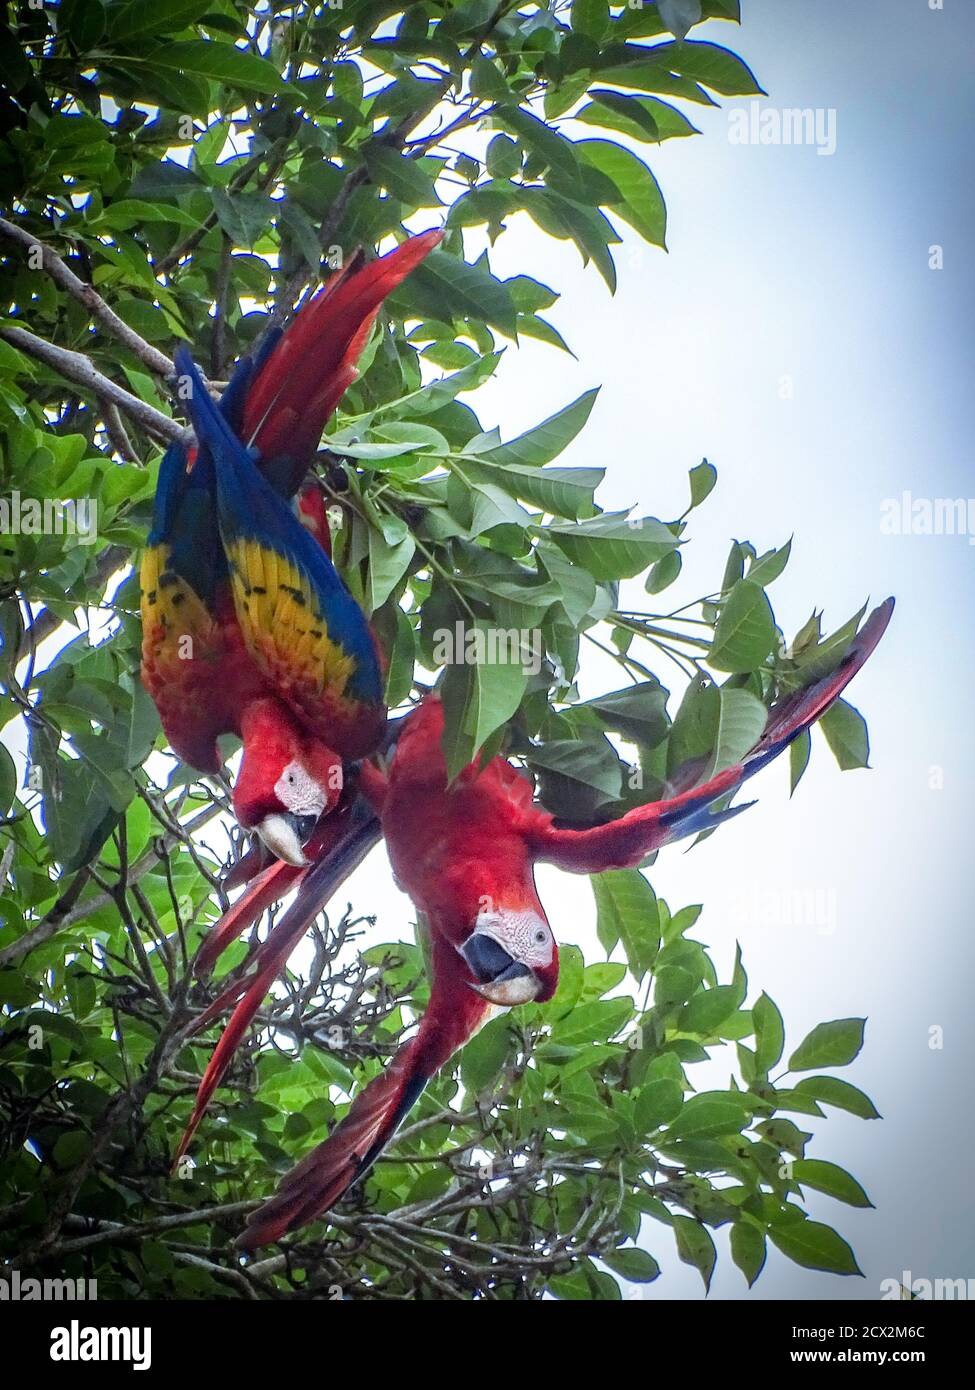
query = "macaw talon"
{"x": 500, "y": 979}
{"x": 286, "y": 834}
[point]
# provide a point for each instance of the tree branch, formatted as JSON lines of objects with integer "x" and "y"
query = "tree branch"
{"x": 87, "y": 295}
{"x": 82, "y": 371}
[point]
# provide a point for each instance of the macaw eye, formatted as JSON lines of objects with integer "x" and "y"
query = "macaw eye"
{"x": 540, "y": 936}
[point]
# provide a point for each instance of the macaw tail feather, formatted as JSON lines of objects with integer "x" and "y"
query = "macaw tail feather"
{"x": 267, "y": 888}
{"x": 354, "y": 834}
{"x": 318, "y": 1182}
{"x": 312, "y": 365}
{"x": 623, "y": 843}
{"x": 454, "y": 1014}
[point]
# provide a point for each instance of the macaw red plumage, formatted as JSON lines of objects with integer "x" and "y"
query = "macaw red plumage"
{"x": 465, "y": 852}
{"x": 247, "y": 628}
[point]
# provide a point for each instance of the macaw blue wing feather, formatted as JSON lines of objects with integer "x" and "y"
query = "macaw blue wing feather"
{"x": 301, "y": 625}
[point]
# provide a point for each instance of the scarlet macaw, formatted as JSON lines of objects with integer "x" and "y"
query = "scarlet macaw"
{"x": 247, "y": 627}
{"x": 465, "y": 853}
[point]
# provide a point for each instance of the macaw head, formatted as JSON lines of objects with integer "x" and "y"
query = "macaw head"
{"x": 287, "y": 781}
{"x": 512, "y": 953}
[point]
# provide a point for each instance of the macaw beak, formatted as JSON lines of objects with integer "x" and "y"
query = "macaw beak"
{"x": 285, "y": 835}
{"x": 500, "y": 979}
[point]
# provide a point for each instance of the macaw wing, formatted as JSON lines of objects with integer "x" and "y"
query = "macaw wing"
{"x": 191, "y": 656}
{"x": 624, "y": 842}
{"x": 183, "y": 640}
{"x": 302, "y": 628}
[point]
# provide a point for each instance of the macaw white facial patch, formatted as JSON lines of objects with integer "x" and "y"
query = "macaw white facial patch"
{"x": 298, "y": 791}
{"x": 522, "y": 932}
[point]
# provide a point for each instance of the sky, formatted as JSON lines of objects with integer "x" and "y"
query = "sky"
{"x": 797, "y": 335}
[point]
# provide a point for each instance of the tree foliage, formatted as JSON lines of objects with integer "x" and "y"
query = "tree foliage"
{"x": 179, "y": 170}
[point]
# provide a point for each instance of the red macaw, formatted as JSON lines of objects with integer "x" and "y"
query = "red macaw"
{"x": 247, "y": 627}
{"x": 465, "y": 853}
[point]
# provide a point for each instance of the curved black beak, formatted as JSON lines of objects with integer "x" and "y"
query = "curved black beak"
{"x": 303, "y": 826}
{"x": 500, "y": 978}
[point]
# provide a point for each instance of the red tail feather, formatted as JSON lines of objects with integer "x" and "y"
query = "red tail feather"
{"x": 342, "y": 842}
{"x": 270, "y": 885}
{"x": 313, "y": 365}
{"x": 324, "y": 1175}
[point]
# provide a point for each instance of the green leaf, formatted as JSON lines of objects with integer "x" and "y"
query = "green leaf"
{"x": 710, "y": 1114}
{"x": 641, "y": 202}
{"x": 765, "y": 569}
{"x": 635, "y": 1265}
{"x": 556, "y": 152}
{"x": 748, "y": 1250}
{"x": 503, "y": 157}
{"x": 833, "y": 1044}
{"x": 799, "y": 750}
{"x": 484, "y": 1056}
{"x": 479, "y": 697}
{"x": 702, "y": 479}
{"x": 638, "y": 712}
{"x": 387, "y": 566}
{"x": 641, "y": 118}
{"x": 708, "y": 1009}
{"x": 167, "y": 86}
{"x": 769, "y": 1034}
{"x": 221, "y": 62}
{"x": 832, "y": 1090}
{"x": 814, "y": 1246}
{"x": 565, "y": 492}
{"x": 447, "y": 285}
{"x": 679, "y": 15}
{"x": 597, "y": 1021}
{"x": 831, "y": 1179}
{"x": 614, "y": 546}
{"x": 627, "y": 912}
{"x": 695, "y": 1247}
{"x": 243, "y": 216}
{"x": 131, "y": 212}
{"x": 83, "y": 21}
{"x": 742, "y": 718}
{"x": 846, "y": 733}
{"x": 546, "y": 441}
{"x": 745, "y": 630}
{"x": 8, "y": 780}
{"x": 487, "y": 81}
{"x": 577, "y": 776}
{"x": 711, "y": 65}
{"x": 144, "y": 18}
{"x": 402, "y": 176}
{"x": 664, "y": 573}
{"x": 658, "y": 1103}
